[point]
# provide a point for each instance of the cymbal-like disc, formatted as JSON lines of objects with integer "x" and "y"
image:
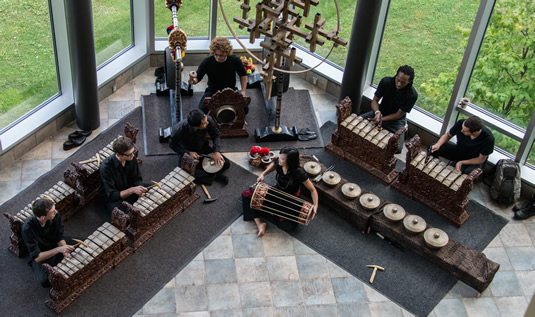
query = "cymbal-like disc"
{"x": 414, "y": 224}
{"x": 331, "y": 178}
{"x": 351, "y": 190}
{"x": 312, "y": 168}
{"x": 394, "y": 212}
{"x": 209, "y": 165}
{"x": 369, "y": 201}
{"x": 435, "y": 238}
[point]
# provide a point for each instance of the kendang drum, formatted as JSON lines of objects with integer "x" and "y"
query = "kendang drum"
{"x": 279, "y": 203}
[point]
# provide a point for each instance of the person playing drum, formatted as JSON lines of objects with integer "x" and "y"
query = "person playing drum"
{"x": 290, "y": 176}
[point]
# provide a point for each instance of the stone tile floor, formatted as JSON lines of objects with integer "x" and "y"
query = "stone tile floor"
{"x": 239, "y": 274}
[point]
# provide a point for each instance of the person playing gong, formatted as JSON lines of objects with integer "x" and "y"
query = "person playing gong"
{"x": 190, "y": 136}
{"x": 290, "y": 176}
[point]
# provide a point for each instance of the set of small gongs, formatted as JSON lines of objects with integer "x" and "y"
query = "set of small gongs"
{"x": 434, "y": 238}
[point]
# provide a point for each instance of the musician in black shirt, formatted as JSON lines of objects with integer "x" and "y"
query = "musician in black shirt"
{"x": 43, "y": 236}
{"x": 121, "y": 178}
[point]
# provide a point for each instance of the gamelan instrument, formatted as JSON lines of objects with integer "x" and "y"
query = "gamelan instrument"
{"x": 331, "y": 178}
{"x": 369, "y": 201}
{"x": 394, "y": 212}
{"x": 279, "y": 203}
{"x": 435, "y": 238}
{"x": 414, "y": 224}
{"x": 312, "y": 168}
{"x": 351, "y": 190}
{"x": 209, "y": 165}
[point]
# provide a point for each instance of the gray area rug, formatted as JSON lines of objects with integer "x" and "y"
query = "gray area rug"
{"x": 409, "y": 279}
{"x": 296, "y": 111}
{"x": 125, "y": 289}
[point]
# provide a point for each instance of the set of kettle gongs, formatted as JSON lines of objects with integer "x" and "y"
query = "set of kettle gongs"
{"x": 434, "y": 238}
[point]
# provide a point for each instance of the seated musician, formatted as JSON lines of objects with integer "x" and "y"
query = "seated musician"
{"x": 290, "y": 176}
{"x": 121, "y": 178}
{"x": 43, "y": 236}
{"x": 397, "y": 96}
{"x": 190, "y": 136}
{"x": 475, "y": 143}
{"x": 221, "y": 68}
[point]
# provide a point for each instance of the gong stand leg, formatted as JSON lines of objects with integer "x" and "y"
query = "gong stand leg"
{"x": 277, "y": 132}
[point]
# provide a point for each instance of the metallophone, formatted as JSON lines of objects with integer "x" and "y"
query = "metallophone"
{"x": 99, "y": 253}
{"x": 85, "y": 178}
{"x": 435, "y": 184}
{"x": 364, "y": 144}
{"x": 157, "y": 207}
{"x": 65, "y": 200}
{"x": 466, "y": 264}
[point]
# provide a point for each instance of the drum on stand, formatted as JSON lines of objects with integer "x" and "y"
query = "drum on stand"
{"x": 279, "y": 203}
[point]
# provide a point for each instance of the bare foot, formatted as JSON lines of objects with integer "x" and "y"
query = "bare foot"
{"x": 261, "y": 229}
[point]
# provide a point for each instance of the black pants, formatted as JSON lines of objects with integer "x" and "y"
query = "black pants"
{"x": 39, "y": 271}
{"x": 209, "y": 93}
{"x": 454, "y": 154}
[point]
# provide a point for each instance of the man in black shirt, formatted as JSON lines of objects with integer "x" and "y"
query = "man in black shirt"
{"x": 43, "y": 236}
{"x": 474, "y": 145}
{"x": 397, "y": 96}
{"x": 121, "y": 178}
{"x": 221, "y": 68}
{"x": 189, "y": 136}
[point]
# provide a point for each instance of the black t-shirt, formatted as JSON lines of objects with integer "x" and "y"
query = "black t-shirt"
{"x": 40, "y": 239}
{"x": 185, "y": 139}
{"x": 221, "y": 75}
{"x": 483, "y": 144}
{"x": 394, "y": 99}
{"x": 116, "y": 178}
{"x": 290, "y": 182}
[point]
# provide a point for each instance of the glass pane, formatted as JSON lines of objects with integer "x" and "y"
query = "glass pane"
{"x": 193, "y": 18}
{"x": 531, "y": 156}
{"x": 430, "y": 37}
{"x": 27, "y": 50}
{"x": 327, "y": 9}
{"x": 232, "y": 9}
{"x": 112, "y": 27}
{"x": 503, "y": 81}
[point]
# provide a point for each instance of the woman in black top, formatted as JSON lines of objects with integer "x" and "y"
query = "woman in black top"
{"x": 289, "y": 178}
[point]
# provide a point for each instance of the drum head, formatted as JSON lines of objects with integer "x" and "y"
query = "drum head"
{"x": 209, "y": 165}
{"x": 226, "y": 114}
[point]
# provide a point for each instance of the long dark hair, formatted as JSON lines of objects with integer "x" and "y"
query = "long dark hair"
{"x": 292, "y": 157}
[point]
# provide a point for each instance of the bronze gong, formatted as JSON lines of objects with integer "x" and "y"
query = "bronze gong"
{"x": 369, "y": 201}
{"x": 209, "y": 165}
{"x": 331, "y": 178}
{"x": 351, "y": 190}
{"x": 226, "y": 114}
{"x": 394, "y": 212}
{"x": 414, "y": 224}
{"x": 435, "y": 238}
{"x": 312, "y": 168}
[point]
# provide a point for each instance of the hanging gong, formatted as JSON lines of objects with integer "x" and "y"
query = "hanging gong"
{"x": 312, "y": 168}
{"x": 414, "y": 224}
{"x": 351, "y": 190}
{"x": 226, "y": 114}
{"x": 369, "y": 201}
{"x": 394, "y": 212}
{"x": 331, "y": 178}
{"x": 209, "y": 165}
{"x": 435, "y": 238}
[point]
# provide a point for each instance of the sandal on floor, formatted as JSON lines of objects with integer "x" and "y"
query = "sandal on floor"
{"x": 80, "y": 133}
{"x": 307, "y": 137}
{"x": 73, "y": 142}
{"x": 306, "y": 131}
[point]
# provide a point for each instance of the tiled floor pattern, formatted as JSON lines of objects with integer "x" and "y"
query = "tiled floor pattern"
{"x": 239, "y": 274}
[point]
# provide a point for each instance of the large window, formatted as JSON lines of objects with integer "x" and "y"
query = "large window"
{"x": 27, "y": 51}
{"x": 232, "y": 9}
{"x": 112, "y": 28}
{"x": 193, "y": 17}
{"x": 430, "y": 37}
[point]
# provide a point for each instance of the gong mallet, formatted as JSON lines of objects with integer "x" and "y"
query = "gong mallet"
{"x": 209, "y": 199}
{"x": 80, "y": 242}
{"x": 96, "y": 159}
{"x": 155, "y": 184}
{"x": 375, "y": 268}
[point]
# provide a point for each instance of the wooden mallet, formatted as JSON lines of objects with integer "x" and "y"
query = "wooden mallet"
{"x": 375, "y": 268}
{"x": 97, "y": 159}
{"x": 79, "y": 242}
{"x": 155, "y": 184}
